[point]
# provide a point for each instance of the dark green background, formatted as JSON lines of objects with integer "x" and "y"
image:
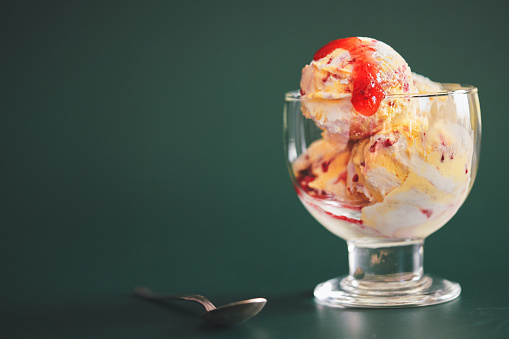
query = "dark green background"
{"x": 142, "y": 145}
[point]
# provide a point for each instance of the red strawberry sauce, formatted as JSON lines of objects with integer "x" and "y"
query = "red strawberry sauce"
{"x": 367, "y": 88}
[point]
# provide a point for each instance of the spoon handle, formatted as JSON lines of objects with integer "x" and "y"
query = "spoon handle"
{"x": 147, "y": 294}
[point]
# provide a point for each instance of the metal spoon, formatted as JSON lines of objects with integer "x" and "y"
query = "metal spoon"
{"x": 228, "y": 314}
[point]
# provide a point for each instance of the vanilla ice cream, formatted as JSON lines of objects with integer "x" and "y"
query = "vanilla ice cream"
{"x": 393, "y": 161}
{"x": 354, "y": 75}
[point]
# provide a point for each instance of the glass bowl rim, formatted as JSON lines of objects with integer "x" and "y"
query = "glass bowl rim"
{"x": 449, "y": 89}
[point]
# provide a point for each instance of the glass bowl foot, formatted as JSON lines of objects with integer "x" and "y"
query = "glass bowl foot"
{"x": 347, "y": 291}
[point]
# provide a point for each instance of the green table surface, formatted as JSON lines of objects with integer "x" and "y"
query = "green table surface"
{"x": 142, "y": 145}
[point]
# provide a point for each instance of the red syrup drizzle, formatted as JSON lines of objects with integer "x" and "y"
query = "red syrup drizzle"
{"x": 306, "y": 176}
{"x": 342, "y": 217}
{"x": 325, "y": 165}
{"x": 367, "y": 88}
{"x": 427, "y": 213}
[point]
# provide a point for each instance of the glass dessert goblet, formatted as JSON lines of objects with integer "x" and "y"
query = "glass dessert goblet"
{"x": 385, "y": 190}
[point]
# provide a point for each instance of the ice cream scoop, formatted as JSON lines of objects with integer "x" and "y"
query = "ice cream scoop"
{"x": 344, "y": 87}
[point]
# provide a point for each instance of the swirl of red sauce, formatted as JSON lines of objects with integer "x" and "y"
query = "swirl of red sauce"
{"x": 367, "y": 92}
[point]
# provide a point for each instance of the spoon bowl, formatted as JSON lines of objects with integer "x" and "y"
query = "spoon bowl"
{"x": 228, "y": 314}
